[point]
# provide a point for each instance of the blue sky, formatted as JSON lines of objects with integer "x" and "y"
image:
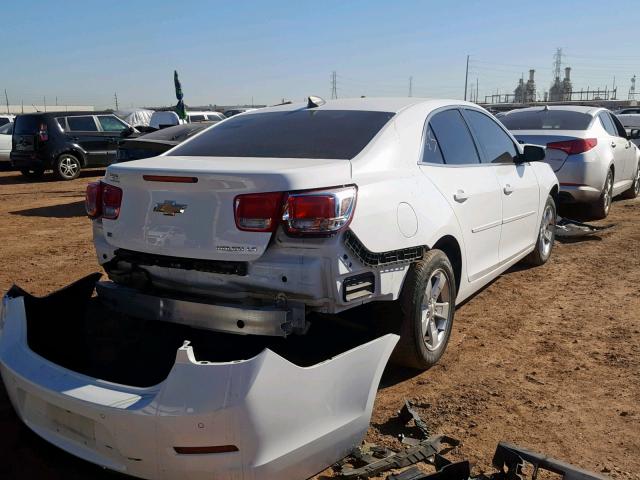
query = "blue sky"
{"x": 227, "y": 52}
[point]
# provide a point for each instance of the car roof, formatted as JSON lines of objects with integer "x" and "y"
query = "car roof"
{"x": 372, "y": 104}
{"x": 593, "y": 111}
{"x": 64, "y": 114}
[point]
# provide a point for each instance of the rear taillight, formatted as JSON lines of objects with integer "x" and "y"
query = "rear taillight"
{"x": 573, "y": 147}
{"x": 93, "y": 199}
{"x": 258, "y": 212}
{"x": 43, "y": 133}
{"x": 318, "y": 212}
{"x": 111, "y": 201}
{"x": 309, "y": 213}
{"x": 103, "y": 200}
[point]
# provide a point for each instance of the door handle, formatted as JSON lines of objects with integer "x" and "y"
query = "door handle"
{"x": 613, "y": 144}
{"x": 460, "y": 196}
{"x": 507, "y": 189}
{"x": 75, "y": 139}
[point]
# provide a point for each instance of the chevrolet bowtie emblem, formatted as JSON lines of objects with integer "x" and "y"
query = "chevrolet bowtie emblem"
{"x": 170, "y": 208}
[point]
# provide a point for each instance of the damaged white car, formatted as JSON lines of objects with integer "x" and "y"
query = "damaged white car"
{"x": 259, "y": 226}
{"x": 267, "y": 217}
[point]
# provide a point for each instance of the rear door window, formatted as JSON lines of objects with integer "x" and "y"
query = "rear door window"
{"x": 109, "y": 123}
{"x": 493, "y": 141}
{"x": 82, "y": 124}
{"x": 4, "y": 121}
{"x": 196, "y": 118}
{"x": 213, "y": 117}
{"x": 6, "y": 129}
{"x": 619, "y": 128}
{"x": 608, "y": 124}
{"x": 454, "y": 138}
{"x": 431, "y": 152}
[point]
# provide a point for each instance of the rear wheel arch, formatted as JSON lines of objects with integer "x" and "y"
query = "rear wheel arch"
{"x": 76, "y": 153}
{"x": 451, "y": 248}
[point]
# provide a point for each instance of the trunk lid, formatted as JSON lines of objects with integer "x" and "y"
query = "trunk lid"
{"x": 196, "y": 220}
{"x": 555, "y": 158}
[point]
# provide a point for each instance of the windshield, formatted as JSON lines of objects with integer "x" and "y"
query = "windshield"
{"x": 327, "y": 134}
{"x": 546, "y": 120}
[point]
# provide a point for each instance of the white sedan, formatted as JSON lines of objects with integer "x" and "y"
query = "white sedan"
{"x": 331, "y": 205}
{"x": 587, "y": 147}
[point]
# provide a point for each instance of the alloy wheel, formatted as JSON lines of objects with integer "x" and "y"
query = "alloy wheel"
{"x": 68, "y": 166}
{"x": 436, "y": 306}
{"x": 547, "y": 231}
{"x": 608, "y": 193}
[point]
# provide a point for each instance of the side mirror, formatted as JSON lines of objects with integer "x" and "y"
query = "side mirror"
{"x": 634, "y": 134}
{"x": 532, "y": 153}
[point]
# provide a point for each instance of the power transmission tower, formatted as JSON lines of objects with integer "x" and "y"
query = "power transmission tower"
{"x": 476, "y": 90}
{"x": 6, "y": 99}
{"x": 411, "y": 86}
{"x": 334, "y": 86}
{"x": 557, "y": 63}
{"x": 115, "y": 96}
{"x": 466, "y": 79}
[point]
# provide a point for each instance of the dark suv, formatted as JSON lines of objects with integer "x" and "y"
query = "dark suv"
{"x": 65, "y": 142}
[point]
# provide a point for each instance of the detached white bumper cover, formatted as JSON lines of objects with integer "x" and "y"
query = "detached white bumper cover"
{"x": 287, "y": 422}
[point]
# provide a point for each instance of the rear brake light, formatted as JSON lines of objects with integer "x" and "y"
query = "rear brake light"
{"x": 103, "y": 200}
{"x": 319, "y": 212}
{"x": 111, "y": 201}
{"x": 169, "y": 179}
{"x": 93, "y": 199}
{"x": 258, "y": 212}
{"x": 43, "y": 134}
{"x": 573, "y": 147}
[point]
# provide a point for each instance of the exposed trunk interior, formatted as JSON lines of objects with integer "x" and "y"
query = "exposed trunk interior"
{"x": 73, "y": 329}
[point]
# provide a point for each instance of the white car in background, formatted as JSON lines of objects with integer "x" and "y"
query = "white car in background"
{"x": 588, "y": 149}
{"x": 328, "y": 206}
{"x": 208, "y": 116}
{"x": 6, "y": 131}
{"x": 631, "y": 124}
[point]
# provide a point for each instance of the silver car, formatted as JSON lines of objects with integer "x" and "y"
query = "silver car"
{"x": 588, "y": 149}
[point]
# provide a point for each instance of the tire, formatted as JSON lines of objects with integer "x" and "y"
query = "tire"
{"x": 634, "y": 191}
{"x": 600, "y": 209}
{"x": 546, "y": 235}
{"x": 420, "y": 346}
{"x": 32, "y": 172}
{"x": 67, "y": 167}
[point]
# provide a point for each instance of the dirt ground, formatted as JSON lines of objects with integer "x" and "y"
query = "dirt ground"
{"x": 547, "y": 358}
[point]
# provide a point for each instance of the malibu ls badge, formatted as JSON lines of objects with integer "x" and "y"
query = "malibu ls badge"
{"x": 169, "y": 208}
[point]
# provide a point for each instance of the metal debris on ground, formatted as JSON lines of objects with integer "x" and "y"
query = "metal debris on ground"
{"x": 370, "y": 460}
{"x": 425, "y": 451}
{"x": 569, "y": 229}
{"x": 510, "y": 460}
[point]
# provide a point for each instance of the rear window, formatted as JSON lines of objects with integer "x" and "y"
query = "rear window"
{"x": 4, "y": 121}
{"x": 330, "y": 134}
{"x": 28, "y": 124}
{"x": 546, "y": 120}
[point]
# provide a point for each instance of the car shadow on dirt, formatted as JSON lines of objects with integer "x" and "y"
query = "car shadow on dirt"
{"x": 63, "y": 210}
{"x": 19, "y": 179}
